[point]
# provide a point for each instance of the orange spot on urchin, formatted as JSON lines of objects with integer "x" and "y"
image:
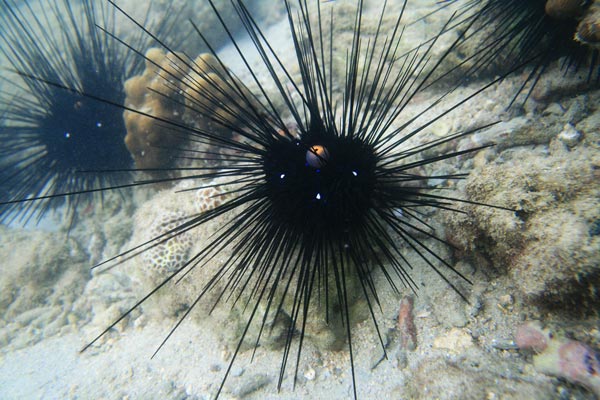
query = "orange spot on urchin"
{"x": 317, "y": 156}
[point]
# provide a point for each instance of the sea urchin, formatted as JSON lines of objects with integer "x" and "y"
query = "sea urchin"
{"x": 507, "y": 33}
{"x": 54, "y": 141}
{"x": 324, "y": 185}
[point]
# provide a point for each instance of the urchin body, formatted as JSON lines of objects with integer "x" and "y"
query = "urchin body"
{"x": 320, "y": 183}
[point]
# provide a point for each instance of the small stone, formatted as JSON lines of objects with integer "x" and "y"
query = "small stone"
{"x": 505, "y": 300}
{"x": 249, "y": 385}
{"x": 406, "y": 324}
{"x": 577, "y": 110}
{"x": 140, "y": 322}
{"x": 554, "y": 109}
{"x": 225, "y": 355}
{"x": 531, "y": 336}
{"x": 569, "y": 135}
{"x": 455, "y": 340}
{"x": 401, "y": 359}
{"x": 504, "y": 344}
{"x": 310, "y": 374}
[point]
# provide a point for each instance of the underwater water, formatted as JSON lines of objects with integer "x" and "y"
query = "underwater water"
{"x": 537, "y": 266}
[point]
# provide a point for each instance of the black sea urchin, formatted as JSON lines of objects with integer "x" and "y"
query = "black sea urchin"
{"x": 50, "y": 136}
{"x": 508, "y": 33}
{"x": 325, "y": 184}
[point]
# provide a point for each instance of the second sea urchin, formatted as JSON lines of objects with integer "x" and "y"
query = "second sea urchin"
{"x": 54, "y": 141}
{"x": 504, "y": 34}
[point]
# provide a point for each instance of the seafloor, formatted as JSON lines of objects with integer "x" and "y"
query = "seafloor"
{"x": 539, "y": 264}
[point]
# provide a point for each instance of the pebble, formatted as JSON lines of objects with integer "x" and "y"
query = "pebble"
{"x": 406, "y": 324}
{"x": 578, "y": 110}
{"x": 506, "y": 300}
{"x": 225, "y": 355}
{"x": 310, "y": 374}
{"x": 455, "y": 340}
{"x": 554, "y": 109}
{"x": 504, "y": 344}
{"x": 140, "y": 322}
{"x": 569, "y": 135}
{"x": 249, "y": 385}
{"x": 401, "y": 359}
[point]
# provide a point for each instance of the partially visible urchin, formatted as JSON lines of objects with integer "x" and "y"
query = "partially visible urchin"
{"x": 505, "y": 34}
{"x": 324, "y": 185}
{"x": 56, "y": 141}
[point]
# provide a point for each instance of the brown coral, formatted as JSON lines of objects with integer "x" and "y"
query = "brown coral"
{"x": 213, "y": 94}
{"x": 154, "y": 93}
{"x": 200, "y": 94}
